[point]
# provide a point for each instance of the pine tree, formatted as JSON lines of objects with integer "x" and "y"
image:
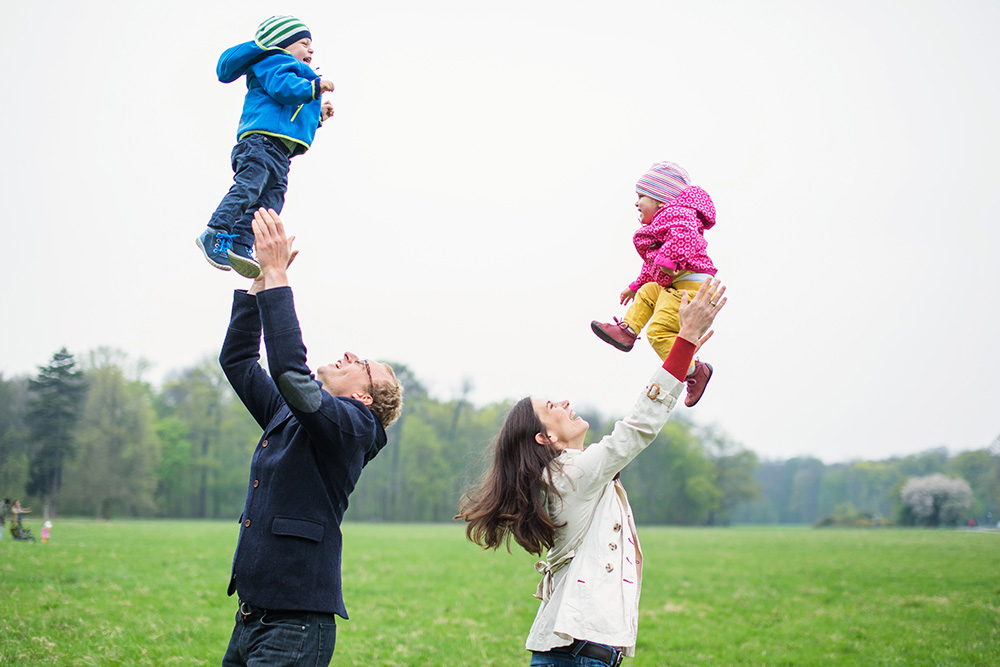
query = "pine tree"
{"x": 55, "y": 399}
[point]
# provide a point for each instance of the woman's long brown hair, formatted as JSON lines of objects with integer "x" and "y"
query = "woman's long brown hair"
{"x": 509, "y": 499}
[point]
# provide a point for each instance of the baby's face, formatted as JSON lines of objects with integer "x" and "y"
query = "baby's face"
{"x": 302, "y": 50}
{"x": 647, "y": 208}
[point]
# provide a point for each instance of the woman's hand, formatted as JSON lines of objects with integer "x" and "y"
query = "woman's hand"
{"x": 698, "y": 313}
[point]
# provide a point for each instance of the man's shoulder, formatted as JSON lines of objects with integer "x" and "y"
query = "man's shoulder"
{"x": 348, "y": 417}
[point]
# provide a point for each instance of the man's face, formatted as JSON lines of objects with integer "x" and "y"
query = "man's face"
{"x": 349, "y": 376}
{"x": 302, "y": 50}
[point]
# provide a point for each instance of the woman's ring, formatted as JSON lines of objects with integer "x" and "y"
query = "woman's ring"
{"x": 715, "y": 304}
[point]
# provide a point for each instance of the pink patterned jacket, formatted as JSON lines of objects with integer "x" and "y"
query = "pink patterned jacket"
{"x": 675, "y": 238}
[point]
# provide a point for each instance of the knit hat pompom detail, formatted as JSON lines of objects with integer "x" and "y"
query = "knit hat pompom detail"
{"x": 281, "y": 31}
{"x": 664, "y": 181}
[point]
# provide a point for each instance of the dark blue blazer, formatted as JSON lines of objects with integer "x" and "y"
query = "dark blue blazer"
{"x": 304, "y": 468}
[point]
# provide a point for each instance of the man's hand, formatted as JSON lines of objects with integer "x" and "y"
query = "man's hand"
{"x": 259, "y": 285}
{"x": 274, "y": 251}
{"x": 697, "y": 315}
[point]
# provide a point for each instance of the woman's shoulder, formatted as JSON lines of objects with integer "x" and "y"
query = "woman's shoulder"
{"x": 563, "y": 468}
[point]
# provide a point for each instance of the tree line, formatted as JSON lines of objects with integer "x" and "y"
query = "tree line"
{"x": 92, "y": 438}
{"x": 805, "y": 490}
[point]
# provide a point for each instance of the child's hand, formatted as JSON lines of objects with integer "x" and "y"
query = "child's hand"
{"x": 326, "y": 110}
{"x": 325, "y": 86}
{"x": 626, "y": 296}
{"x": 670, "y": 272}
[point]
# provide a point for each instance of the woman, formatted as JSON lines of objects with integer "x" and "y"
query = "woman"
{"x": 544, "y": 490}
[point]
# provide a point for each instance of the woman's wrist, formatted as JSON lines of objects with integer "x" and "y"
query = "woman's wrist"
{"x": 679, "y": 358}
{"x": 688, "y": 334}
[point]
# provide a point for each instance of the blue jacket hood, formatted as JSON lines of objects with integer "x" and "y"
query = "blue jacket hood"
{"x": 237, "y": 60}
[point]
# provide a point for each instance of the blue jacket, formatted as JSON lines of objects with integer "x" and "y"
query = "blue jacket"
{"x": 305, "y": 466}
{"x": 283, "y": 94}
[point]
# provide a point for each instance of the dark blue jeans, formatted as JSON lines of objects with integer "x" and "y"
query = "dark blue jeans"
{"x": 551, "y": 659}
{"x": 568, "y": 659}
{"x": 281, "y": 639}
{"x": 260, "y": 178}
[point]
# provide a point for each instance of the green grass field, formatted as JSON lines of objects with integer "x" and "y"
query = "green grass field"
{"x": 153, "y": 593}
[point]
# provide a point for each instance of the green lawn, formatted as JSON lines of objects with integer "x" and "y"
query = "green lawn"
{"x": 153, "y": 593}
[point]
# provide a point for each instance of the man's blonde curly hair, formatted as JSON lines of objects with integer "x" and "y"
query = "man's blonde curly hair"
{"x": 387, "y": 399}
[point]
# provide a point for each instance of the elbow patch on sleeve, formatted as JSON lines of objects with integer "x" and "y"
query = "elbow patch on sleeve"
{"x": 301, "y": 391}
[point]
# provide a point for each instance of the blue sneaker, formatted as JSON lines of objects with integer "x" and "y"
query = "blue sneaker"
{"x": 242, "y": 261}
{"x": 214, "y": 244}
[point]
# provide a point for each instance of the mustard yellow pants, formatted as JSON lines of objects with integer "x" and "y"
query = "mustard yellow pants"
{"x": 656, "y": 308}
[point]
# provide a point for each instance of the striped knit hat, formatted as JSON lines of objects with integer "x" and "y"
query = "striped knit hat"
{"x": 663, "y": 181}
{"x": 281, "y": 31}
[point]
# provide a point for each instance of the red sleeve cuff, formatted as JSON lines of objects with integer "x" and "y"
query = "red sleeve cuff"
{"x": 679, "y": 359}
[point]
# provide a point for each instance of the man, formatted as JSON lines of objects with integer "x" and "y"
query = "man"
{"x": 4, "y": 505}
{"x": 318, "y": 435}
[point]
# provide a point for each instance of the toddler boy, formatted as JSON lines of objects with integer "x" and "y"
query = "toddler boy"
{"x": 281, "y": 111}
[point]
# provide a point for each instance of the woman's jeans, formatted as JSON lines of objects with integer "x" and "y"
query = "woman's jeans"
{"x": 550, "y": 659}
{"x": 567, "y": 659}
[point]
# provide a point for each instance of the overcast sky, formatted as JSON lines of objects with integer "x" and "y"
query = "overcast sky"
{"x": 469, "y": 210}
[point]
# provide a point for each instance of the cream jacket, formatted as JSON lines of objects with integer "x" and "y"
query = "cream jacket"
{"x": 591, "y": 578}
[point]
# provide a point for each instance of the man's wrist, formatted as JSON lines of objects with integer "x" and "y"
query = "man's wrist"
{"x": 274, "y": 277}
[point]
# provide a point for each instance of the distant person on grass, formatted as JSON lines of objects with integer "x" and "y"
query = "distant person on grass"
{"x": 544, "y": 490}
{"x": 318, "y": 436}
{"x": 17, "y": 511}
{"x": 17, "y": 529}
{"x": 4, "y": 509}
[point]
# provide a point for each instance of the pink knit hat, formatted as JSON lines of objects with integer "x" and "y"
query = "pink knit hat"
{"x": 663, "y": 181}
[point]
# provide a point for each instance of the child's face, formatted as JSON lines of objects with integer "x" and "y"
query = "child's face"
{"x": 647, "y": 208}
{"x": 302, "y": 50}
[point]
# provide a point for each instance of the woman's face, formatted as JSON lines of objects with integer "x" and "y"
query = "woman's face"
{"x": 564, "y": 428}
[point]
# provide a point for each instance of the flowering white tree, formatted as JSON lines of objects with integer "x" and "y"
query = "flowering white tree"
{"x": 937, "y": 499}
